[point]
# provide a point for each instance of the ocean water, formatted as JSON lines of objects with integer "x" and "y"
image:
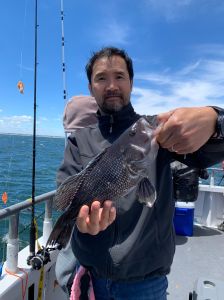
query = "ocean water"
{"x": 16, "y": 177}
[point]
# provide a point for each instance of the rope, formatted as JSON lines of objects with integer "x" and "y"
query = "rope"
{"x": 20, "y": 277}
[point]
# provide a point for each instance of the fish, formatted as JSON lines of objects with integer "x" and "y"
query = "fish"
{"x": 113, "y": 173}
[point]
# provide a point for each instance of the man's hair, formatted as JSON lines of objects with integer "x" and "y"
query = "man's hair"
{"x": 109, "y": 52}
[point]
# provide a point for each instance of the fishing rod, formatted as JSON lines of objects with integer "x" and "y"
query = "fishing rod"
{"x": 32, "y": 226}
{"x": 42, "y": 256}
{"x": 63, "y": 53}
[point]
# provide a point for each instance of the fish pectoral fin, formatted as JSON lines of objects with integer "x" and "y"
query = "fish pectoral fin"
{"x": 146, "y": 192}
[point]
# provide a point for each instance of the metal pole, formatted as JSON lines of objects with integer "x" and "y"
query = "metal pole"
{"x": 63, "y": 53}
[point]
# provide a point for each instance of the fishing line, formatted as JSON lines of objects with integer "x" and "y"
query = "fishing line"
{"x": 10, "y": 163}
{"x": 221, "y": 180}
{"x": 22, "y": 41}
{"x": 28, "y": 225}
{"x": 5, "y": 193}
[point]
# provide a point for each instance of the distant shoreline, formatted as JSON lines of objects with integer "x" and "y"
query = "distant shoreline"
{"x": 27, "y": 134}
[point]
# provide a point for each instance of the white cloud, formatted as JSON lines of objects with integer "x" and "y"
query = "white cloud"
{"x": 214, "y": 50}
{"x": 178, "y": 10}
{"x": 43, "y": 119}
{"x": 17, "y": 120}
{"x": 113, "y": 33}
{"x": 23, "y": 124}
{"x": 16, "y": 124}
{"x": 190, "y": 68}
{"x": 171, "y": 10}
{"x": 198, "y": 84}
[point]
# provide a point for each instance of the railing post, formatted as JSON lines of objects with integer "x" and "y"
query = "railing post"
{"x": 13, "y": 244}
{"x": 47, "y": 224}
{"x": 212, "y": 178}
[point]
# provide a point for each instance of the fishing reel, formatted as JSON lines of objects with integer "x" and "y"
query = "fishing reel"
{"x": 41, "y": 258}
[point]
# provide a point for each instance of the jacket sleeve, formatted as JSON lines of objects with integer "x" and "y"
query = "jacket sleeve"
{"x": 209, "y": 154}
{"x": 71, "y": 163}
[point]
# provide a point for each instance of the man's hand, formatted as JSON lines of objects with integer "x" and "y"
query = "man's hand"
{"x": 185, "y": 130}
{"x": 95, "y": 219}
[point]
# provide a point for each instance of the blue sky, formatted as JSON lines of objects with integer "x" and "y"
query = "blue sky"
{"x": 177, "y": 48}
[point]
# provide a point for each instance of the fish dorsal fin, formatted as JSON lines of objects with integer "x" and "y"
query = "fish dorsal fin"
{"x": 69, "y": 188}
{"x": 146, "y": 192}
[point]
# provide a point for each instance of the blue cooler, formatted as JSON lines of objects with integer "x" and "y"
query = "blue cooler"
{"x": 184, "y": 218}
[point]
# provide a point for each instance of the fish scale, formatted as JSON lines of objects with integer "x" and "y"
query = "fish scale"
{"x": 107, "y": 184}
{"x": 110, "y": 175}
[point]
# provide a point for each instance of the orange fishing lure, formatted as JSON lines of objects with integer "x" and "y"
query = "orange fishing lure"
{"x": 20, "y": 86}
{"x": 4, "y": 197}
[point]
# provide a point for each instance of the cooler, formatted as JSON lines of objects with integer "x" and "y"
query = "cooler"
{"x": 184, "y": 218}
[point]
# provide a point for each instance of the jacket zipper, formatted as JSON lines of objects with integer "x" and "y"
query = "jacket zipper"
{"x": 115, "y": 240}
{"x": 111, "y": 123}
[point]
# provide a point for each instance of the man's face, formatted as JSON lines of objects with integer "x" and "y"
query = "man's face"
{"x": 110, "y": 83}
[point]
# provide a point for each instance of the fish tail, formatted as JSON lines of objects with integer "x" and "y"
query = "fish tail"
{"x": 62, "y": 230}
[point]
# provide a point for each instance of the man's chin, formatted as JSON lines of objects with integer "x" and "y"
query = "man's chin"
{"x": 112, "y": 107}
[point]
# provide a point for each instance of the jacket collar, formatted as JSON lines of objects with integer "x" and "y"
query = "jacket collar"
{"x": 114, "y": 124}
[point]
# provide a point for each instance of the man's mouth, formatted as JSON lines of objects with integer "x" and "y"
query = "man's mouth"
{"x": 112, "y": 97}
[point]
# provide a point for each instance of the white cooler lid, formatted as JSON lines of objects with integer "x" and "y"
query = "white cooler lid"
{"x": 181, "y": 204}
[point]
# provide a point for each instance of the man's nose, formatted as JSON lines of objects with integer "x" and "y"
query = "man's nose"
{"x": 112, "y": 85}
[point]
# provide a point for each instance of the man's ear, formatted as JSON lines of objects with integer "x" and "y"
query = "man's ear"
{"x": 90, "y": 89}
{"x": 131, "y": 81}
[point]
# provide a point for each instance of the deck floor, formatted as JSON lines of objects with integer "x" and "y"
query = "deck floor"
{"x": 201, "y": 255}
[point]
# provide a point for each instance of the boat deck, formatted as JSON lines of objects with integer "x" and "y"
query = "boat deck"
{"x": 199, "y": 256}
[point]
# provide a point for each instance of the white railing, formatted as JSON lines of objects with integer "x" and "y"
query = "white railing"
{"x": 12, "y": 212}
{"x": 213, "y": 172}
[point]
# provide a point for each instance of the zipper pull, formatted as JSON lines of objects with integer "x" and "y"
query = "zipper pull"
{"x": 111, "y": 123}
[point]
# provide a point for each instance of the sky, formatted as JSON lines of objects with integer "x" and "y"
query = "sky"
{"x": 177, "y": 47}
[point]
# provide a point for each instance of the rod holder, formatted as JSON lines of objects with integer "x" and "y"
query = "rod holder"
{"x": 13, "y": 244}
{"x": 47, "y": 224}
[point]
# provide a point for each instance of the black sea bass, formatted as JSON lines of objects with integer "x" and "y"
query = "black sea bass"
{"x": 111, "y": 174}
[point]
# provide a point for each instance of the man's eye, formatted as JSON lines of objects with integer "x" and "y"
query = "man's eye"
{"x": 101, "y": 78}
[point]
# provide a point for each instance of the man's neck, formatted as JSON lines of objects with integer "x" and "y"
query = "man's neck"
{"x": 112, "y": 112}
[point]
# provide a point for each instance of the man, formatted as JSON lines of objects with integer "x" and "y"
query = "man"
{"x": 128, "y": 248}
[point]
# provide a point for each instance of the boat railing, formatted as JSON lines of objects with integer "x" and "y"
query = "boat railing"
{"x": 213, "y": 171}
{"x": 12, "y": 212}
